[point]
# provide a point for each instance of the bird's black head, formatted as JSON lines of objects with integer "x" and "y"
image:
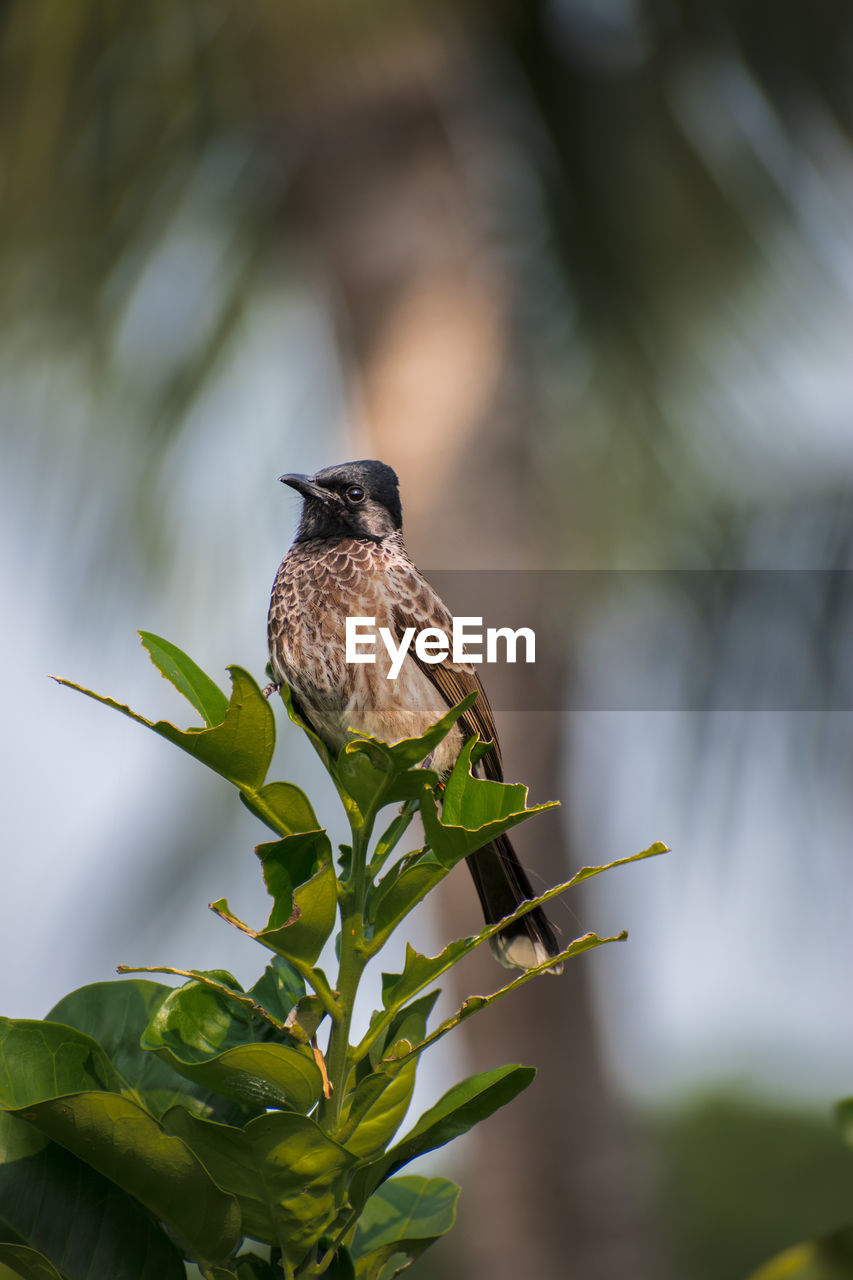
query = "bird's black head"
{"x": 355, "y": 500}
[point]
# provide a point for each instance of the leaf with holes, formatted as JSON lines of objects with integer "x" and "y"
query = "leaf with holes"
{"x": 240, "y": 748}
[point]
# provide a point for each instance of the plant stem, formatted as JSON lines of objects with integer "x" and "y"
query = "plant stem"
{"x": 278, "y": 1255}
{"x": 337, "y": 1053}
{"x": 326, "y": 1260}
{"x": 350, "y": 969}
{"x": 389, "y": 840}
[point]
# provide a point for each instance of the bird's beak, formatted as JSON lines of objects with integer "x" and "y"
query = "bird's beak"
{"x": 306, "y": 486}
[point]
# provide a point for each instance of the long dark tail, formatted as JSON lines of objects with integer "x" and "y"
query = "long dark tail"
{"x": 502, "y": 885}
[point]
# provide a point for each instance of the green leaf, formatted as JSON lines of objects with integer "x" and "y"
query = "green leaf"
{"x": 380, "y": 1102}
{"x": 41, "y": 1060}
{"x": 289, "y": 863}
{"x": 61, "y": 1081}
{"x": 409, "y": 1023}
{"x": 209, "y": 1038}
{"x": 84, "y": 1224}
{"x": 419, "y": 971}
{"x": 370, "y": 773}
{"x": 250, "y": 1267}
{"x": 26, "y": 1264}
{"x": 377, "y": 1107}
{"x": 341, "y": 1267}
{"x": 365, "y": 770}
{"x": 409, "y": 752}
{"x": 463, "y": 1106}
{"x": 219, "y": 981}
{"x": 240, "y": 748}
{"x": 459, "y": 1109}
{"x": 474, "y": 1004}
{"x": 410, "y": 785}
{"x": 279, "y": 989}
{"x": 116, "y": 1014}
{"x": 392, "y": 836}
{"x": 304, "y": 1020}
{"x": 830, "y": 1258}
{"x": 295, "y": 718}
{"x": 381, "y": 1099}
{"x": 283, "y": 807}
{"x": 265, "y": 1075}
{"x": 473, "y": 812}
{"x": 403, "y": 1217}
{"x": 207, "y": 698}
{"x": 123, "y": 1141}
{"x": 306, "y": 900}
{"x": 587, "y": 873}
{"x": 374, "y": 773}
{"x": 286, "y": 1173}
{"x": 400, "y": 891}
{"x": 368, "y": 780}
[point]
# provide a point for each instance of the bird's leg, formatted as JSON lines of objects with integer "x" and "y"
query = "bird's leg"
{"x": 274, "y": 685}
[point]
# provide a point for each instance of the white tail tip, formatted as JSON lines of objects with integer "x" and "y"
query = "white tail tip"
{"x": 522, "y": 952}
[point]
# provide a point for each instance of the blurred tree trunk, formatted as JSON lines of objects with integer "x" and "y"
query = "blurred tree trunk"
{"x": 551, "y": 1190}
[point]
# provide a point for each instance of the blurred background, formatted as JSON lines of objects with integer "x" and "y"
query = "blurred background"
{"x": 582, "y": 272}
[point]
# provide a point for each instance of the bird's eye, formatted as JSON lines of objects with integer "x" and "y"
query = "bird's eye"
{"x": 354, "y": 493}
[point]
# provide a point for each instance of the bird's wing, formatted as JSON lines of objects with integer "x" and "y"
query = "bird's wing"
{"x": 419, "y": 606}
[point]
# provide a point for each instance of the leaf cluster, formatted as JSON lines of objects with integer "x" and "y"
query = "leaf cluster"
{"x": 204, "y": 1122}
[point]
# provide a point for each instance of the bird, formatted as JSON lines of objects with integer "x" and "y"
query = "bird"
{"x": 348, "y": 559}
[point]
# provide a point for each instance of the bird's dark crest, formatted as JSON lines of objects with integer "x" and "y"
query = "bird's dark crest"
{"x": 351, "y": 500}
{"x": 378, "y": 479}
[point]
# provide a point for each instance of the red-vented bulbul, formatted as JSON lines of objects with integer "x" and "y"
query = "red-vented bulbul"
{"x": 348, "y": 560}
